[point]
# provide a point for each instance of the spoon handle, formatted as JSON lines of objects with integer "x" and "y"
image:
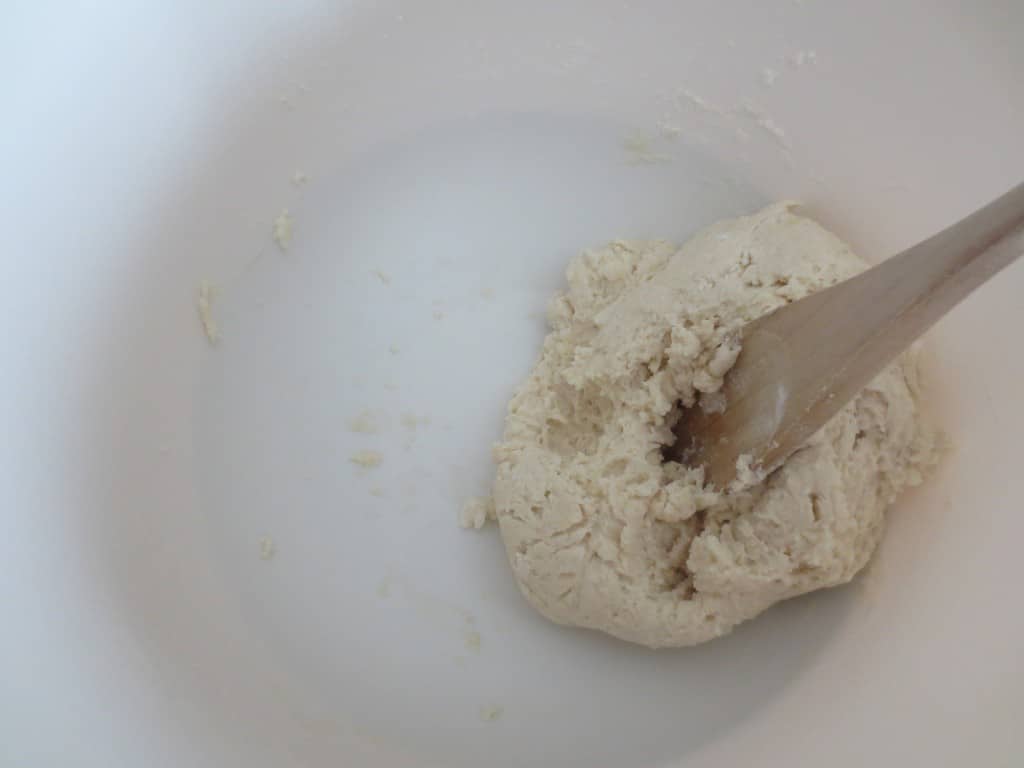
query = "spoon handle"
{"x": 802, "y": 363}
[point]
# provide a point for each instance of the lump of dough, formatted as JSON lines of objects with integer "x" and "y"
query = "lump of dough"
{"x": 476, "y": 511}
{"x": 367, "y": 459}
{"x": 600, "y": 531}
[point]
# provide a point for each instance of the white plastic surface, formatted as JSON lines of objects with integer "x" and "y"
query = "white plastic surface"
{"x": 466, "y": 150}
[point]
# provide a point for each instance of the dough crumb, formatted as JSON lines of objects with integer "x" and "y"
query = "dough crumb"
{"x": 283, "y": 226}
{"x": 703, "y": 104}
{"x": 767, "y": 124}
{"x": 366, "y": 423}
{"x": 641, "y": 152}
{"x": 299, "y": 178}
{"x": 378, "y": 492}
{"x": 367, "y": 459}
{"x": 410, "y": 421}
{"x": 473, "y": 640}
{"x": 393, "y": 349}
{"x": 476, "y": 512}
{"x": 803, "y": 58}
{"x": 491, "y": 712}
{"x": 207, "y": 294}
{"x": 267, "y": 548}
{"x": 384, "y": 277}
{"x": 769, "y": 76}
{"x": 670, "y": 130}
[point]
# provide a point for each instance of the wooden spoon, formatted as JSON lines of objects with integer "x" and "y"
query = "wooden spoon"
{"x": 803, "y": 362}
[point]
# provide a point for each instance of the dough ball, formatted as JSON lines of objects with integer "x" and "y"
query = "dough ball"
{"x": 600, "y": 531}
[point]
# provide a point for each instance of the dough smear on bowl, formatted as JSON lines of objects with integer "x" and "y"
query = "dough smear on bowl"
{"x": 600, "y": 531}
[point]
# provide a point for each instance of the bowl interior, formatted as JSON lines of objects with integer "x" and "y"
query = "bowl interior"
{"x": 202, "y": 575}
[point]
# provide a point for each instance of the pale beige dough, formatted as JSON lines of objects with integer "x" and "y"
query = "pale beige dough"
{"x": 600, "y": 531}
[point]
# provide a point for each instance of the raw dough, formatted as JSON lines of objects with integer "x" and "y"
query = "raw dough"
{"x": 367, "y": 459}
{"x": 366, "y": 423}
{"x": 600, "y": 531}
{"x": 284, "y": 225}
{"x": 267, "y": 548}
{"x": 207, "y": 295}
{"x": 476, "y": 511}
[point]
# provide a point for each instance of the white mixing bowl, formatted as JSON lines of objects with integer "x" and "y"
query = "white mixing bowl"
{"x": 465, "y": 149}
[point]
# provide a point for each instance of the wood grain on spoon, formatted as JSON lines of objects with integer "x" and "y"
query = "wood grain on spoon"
{"x": 803, "y": 362}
